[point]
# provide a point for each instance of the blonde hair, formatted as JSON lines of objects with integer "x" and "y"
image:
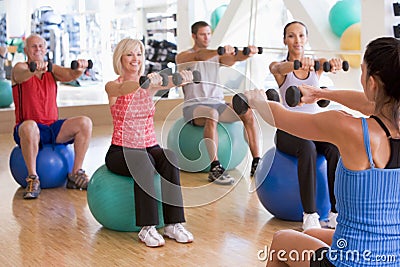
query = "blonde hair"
{"x": 125, "y": 46}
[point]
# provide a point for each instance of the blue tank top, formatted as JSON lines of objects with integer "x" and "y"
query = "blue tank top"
{"x": 368, "y": 204}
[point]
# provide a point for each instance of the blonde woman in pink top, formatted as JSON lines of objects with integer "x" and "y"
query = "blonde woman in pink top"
{"x": 134, "y": 150}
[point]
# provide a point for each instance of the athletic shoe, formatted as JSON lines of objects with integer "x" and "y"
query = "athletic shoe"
{"x": 331, "y": 221}
{"x": 311, "y": 221}
{"x": 79, "y": 180}
{"x": 150, "y": 236}
{"x": 32, "y": 189}
{"x": 178, "y": 232}
{"x": 219, "y": 176}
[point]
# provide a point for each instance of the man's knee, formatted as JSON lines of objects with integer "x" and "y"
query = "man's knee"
{"x": 28, "y": 130}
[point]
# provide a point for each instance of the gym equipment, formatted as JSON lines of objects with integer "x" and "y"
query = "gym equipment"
{"x": 187, "y": 141}
{"x": 327, "y": 66}
{"x": 6, "y": 97}
{"x": 293, "y": 96}
{"x": 297, "y": 65}
{"x": 111, "y": 200}
{"x": 351, "y": 40}
{"x": 221, "y": 50}
{"x": 75, "y": 64}
{"x": 145, "y": 82}
{"x": 53, "y": 164}
{"x": 277, "y": 186}
{"x": 216, "y": 15}
{"x": 176, "y": 79}
{"x": 33, "y": 66}
{"x": 240, "y": 103}
{"x": 245, "y": 51}
{"x": 344, "y": 14}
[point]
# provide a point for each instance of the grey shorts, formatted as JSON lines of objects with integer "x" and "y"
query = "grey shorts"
{"x": 188, "y": 110}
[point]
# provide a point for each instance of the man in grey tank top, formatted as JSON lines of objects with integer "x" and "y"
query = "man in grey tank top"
{"x": 204, "y": 103}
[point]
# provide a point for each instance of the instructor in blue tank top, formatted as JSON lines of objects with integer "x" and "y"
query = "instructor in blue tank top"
{"x": 367, "y": 185}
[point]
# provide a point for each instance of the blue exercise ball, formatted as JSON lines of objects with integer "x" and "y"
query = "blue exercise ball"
{"x": 344, "y": 14}
{"x": 53, "y": 164}
{"x": 277, "y": 186}
{"x": 111, "y": 200}
{"x": 187, "y": 141}
{"x": 6, "y": 98}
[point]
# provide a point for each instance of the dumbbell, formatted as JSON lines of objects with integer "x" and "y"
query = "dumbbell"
{"x": 145, "y": 82}
{"x": 246, "y": 50}
{"x": 75, "y": 64}
{"x": 240, "y": 105}
{"x": 327, "y": 66}
{"x": 221, "y": 50}
{"x": 297, "y": 64}
{"x": 177, "y": 77}
{"x": 293, "y": 96}
{"x": 33, "y": 66}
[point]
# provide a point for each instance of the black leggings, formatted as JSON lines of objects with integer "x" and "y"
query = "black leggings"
{"x": 142, "y": 165}
{"x": 306, "y": 152}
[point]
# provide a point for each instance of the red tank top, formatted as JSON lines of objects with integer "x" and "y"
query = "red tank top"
{"x": 36, "y": 99}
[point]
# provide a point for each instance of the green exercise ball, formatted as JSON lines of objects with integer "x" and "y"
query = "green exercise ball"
{"x": 187, "y": 142}
{"x": 344, "y": 14}
{"x": 6, "y": 98}
{"x": 111, "y": 200}
{"x": 216, "y": 15}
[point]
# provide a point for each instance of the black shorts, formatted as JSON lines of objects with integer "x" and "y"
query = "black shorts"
{"x": 320, "y": 259}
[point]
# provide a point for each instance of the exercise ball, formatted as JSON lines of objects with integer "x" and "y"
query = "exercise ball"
{"x": 351, "y": 40}
{"x": 277, "y": 186}
{"x": 343, "y": 14}
{"x": 187, "y": 141}
{"x": 111, "y": 200}
{"x": 216, "y": 15}
{"x": 53, "y": 164}
{"x": 6, "y": 98}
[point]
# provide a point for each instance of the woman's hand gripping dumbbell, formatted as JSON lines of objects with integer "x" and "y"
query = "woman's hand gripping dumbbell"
{"x": 293, "y": 97}
{"x": 162, "y": 79}
{"x": 297, "y": 64}
{"x": 240, "y": 103}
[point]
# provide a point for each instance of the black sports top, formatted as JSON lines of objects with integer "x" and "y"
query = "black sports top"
{"x": 394, "y": 160}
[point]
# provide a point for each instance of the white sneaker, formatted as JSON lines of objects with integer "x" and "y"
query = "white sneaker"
{"x": 331, "y": 221}
{"x": 150, "y": 236}
{"x": 311, "y": 221}
{"x": 178, "y": 232}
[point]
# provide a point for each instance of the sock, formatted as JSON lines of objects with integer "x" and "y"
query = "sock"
{"x": 214, "y": 163}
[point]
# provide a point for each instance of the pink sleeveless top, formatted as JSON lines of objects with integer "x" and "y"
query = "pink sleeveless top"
{"x": 133, "y": 120}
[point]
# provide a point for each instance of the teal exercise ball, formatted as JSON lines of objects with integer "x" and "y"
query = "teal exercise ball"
{"x": 111, "y": 200}
{"x": 344, "y": 14}
{"x": 216, "y": 15}
{"x": 6, "y": 98}
{"x": 187, "y": 141}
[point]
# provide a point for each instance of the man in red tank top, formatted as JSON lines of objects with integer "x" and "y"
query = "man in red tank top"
{"x": 34, "y": 85}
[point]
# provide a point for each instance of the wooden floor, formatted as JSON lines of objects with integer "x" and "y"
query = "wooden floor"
{"x": 229, "y": 225}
